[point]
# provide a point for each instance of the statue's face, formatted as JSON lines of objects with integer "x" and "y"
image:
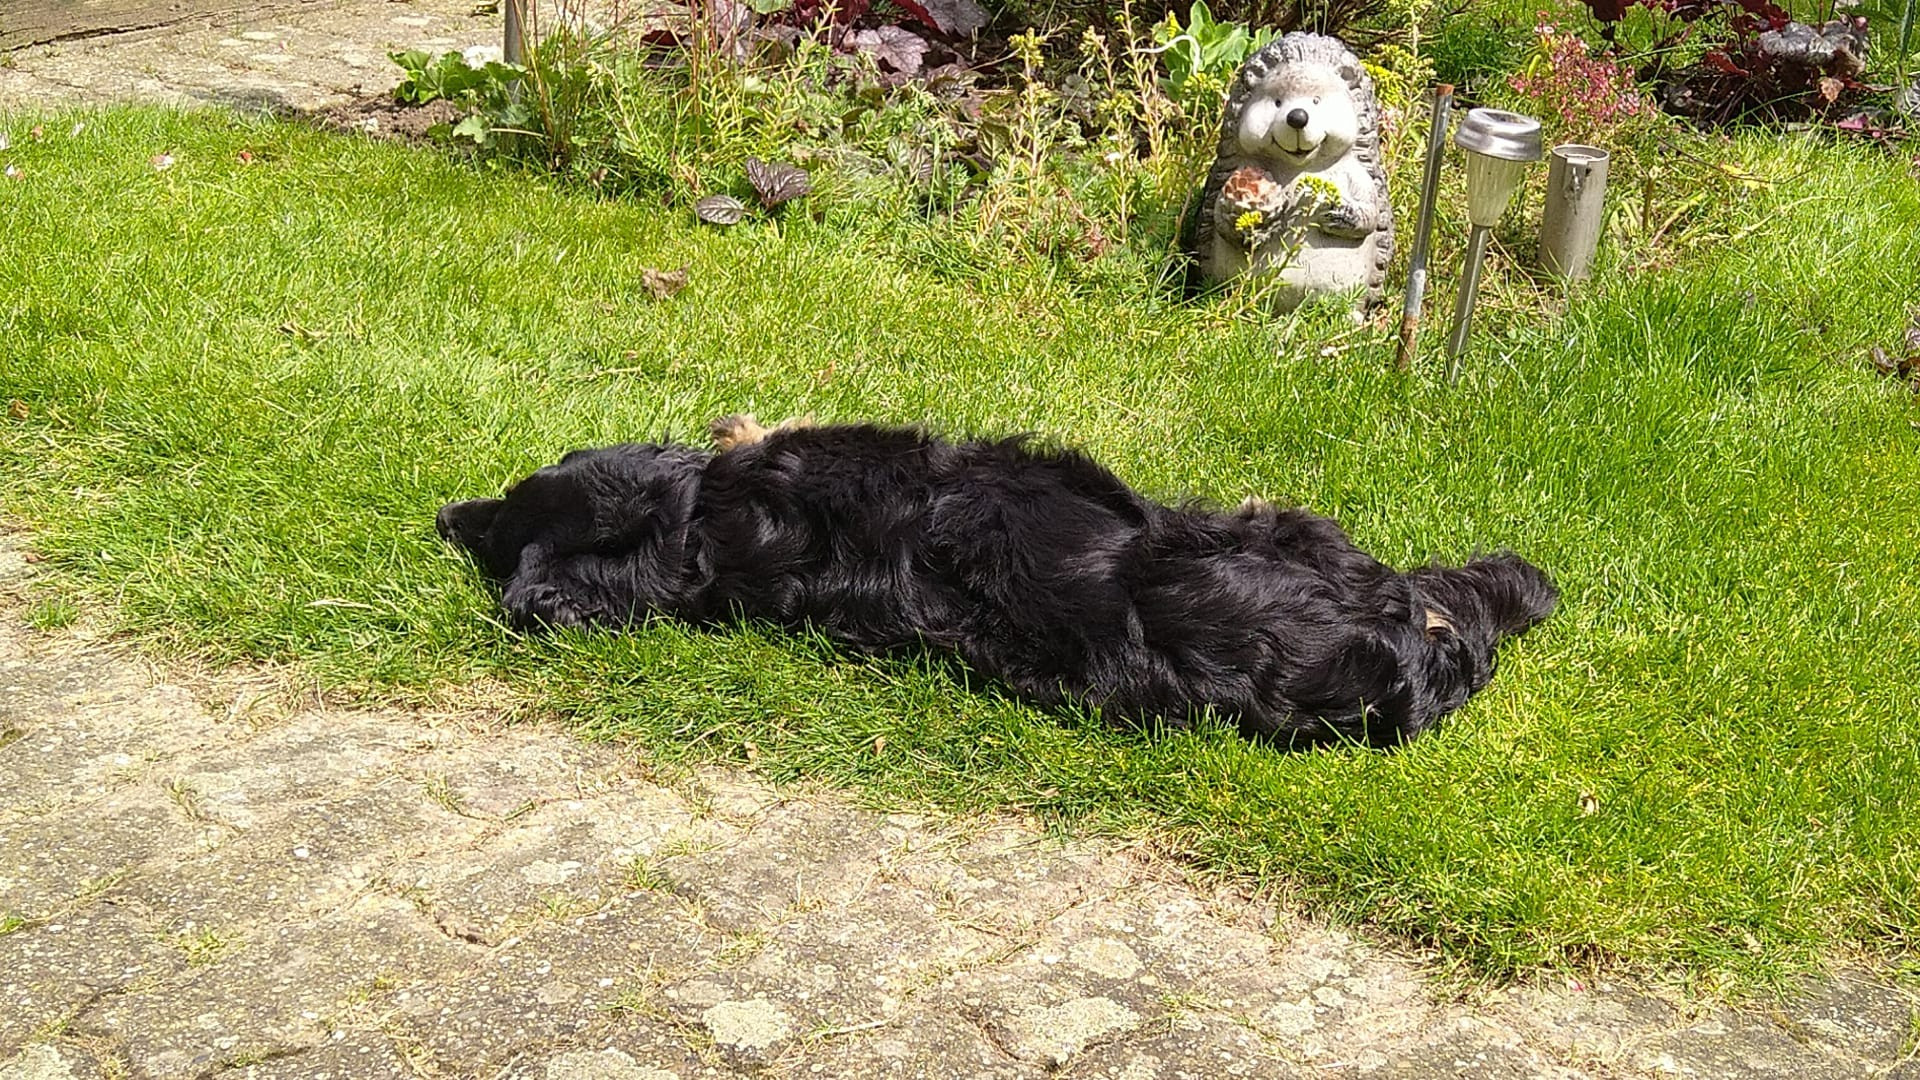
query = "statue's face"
{"x": 1301, "y": 117}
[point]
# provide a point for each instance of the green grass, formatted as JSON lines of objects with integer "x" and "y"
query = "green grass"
{"x": 1702, "y": 458}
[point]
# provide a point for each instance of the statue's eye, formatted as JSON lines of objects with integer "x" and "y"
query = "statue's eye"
{"x": 1316, "y": 101}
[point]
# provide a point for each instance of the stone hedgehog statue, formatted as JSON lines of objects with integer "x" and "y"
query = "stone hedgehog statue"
{"x": 1298, "y": 185}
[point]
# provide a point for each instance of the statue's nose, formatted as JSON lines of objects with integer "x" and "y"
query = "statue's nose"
{"x": 1297, "y": 119}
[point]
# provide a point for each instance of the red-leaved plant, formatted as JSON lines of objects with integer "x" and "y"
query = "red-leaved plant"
{"x": 1759, "y": 62}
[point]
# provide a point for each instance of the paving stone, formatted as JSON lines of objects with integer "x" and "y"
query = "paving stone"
{"x": 342, "y": 1056}
{"x": 935, "y": 1044}
{"x": 297, "y": 978}
{"x": 1191, "y": 1046}
{"x": 556, "y": 982}
{"x": 50, "y": 971}
{"x": 47, "y": 1061}
{"x": 46, "y": 862}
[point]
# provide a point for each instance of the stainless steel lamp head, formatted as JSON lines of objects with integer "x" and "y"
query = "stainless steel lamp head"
{"x": 1499, "y": 145}
{"x": 1498, "y": 133}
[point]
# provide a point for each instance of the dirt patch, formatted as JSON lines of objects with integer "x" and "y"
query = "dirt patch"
{"x": 385, "y": 118}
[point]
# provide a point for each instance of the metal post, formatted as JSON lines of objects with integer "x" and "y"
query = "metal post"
{"x": 1423, "y": 227}
{"x": 514, "y": 49}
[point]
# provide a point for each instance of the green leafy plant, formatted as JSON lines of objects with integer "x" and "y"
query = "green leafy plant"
{"x": 449, "y": 77}
{"x": 1202, "y": 56}
{"x": 484, "y": 93}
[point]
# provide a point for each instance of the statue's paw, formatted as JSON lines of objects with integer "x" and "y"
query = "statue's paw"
{"x": 1341, "y": 219}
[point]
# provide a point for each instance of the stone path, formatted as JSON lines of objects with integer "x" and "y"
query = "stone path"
{"x": 210, "y": 875}
{"x": 315, "y": 57}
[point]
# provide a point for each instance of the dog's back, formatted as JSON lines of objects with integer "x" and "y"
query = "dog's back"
{"x": 1038, "y": 567}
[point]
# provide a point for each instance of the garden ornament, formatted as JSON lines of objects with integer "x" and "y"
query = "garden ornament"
{"x": 1576, "y": 203}
{"x": 1499, "y": 146}
{"x": 1297, "y": 189}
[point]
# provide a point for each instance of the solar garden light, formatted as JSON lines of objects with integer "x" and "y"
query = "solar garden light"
{"x": 1499, "y": 146}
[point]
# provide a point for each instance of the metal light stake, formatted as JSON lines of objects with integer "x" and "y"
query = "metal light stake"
{"x": 514, "y": 48}
{"x": 1499, "y": 145}
{"x": 1429, "y": 190}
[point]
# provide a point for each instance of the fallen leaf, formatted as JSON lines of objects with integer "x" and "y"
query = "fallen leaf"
{"x": 1589, "y": 804}
{"x": 1830, "y": 88}
{"x": 39, "y": 132}
{"x": 161, "y": 162}
{"x": 663, "y": 284}
{"x": 5, "y": 142}
{"x": 77, "y": 129}
{"x": 13, "y": 172}
{"x": 753, "y": 750}
{"x": 720, "y": 210}
{"x": 18, "y": 409}
{"x": 1913, "y": 335}
{"x": 34, "y": 557}
{"x": 879, "y": 744}
{"x": 1884, "y": 364}
{"x": 246, "y": 157}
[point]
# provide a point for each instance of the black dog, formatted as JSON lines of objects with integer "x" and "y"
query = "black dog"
{"x": 1037, "y": 567}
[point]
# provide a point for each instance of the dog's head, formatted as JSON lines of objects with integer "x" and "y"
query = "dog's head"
{"x": 601, "y": 532}
{"x": 1465, "y": 612}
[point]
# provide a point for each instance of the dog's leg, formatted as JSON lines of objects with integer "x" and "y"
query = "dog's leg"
{"x": 741, "y": 429}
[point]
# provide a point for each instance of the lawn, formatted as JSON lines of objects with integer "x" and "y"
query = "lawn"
{"x": 248, "y": 385}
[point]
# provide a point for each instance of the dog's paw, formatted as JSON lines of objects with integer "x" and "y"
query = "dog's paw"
{"x": 535, "y": 607}
{"x": 741, "y": 429}
{"x": 738, "y": 429}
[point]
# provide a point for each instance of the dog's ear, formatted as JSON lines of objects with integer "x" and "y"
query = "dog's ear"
{"x": 1516, "y": 593}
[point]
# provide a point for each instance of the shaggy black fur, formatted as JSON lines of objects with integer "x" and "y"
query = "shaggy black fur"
{"x": 1038, "y": 567}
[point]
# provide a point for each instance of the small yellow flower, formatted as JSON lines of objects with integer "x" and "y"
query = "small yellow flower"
{"x": 1249, "y": 221}
{"x": 1320, "y": 189}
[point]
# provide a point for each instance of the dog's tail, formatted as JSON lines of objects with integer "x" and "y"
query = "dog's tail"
{"x": 1504, "y": 594}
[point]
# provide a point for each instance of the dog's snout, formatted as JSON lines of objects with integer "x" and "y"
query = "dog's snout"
{"x": 464, "y": 523}
{"x": 1297, "y": 119}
